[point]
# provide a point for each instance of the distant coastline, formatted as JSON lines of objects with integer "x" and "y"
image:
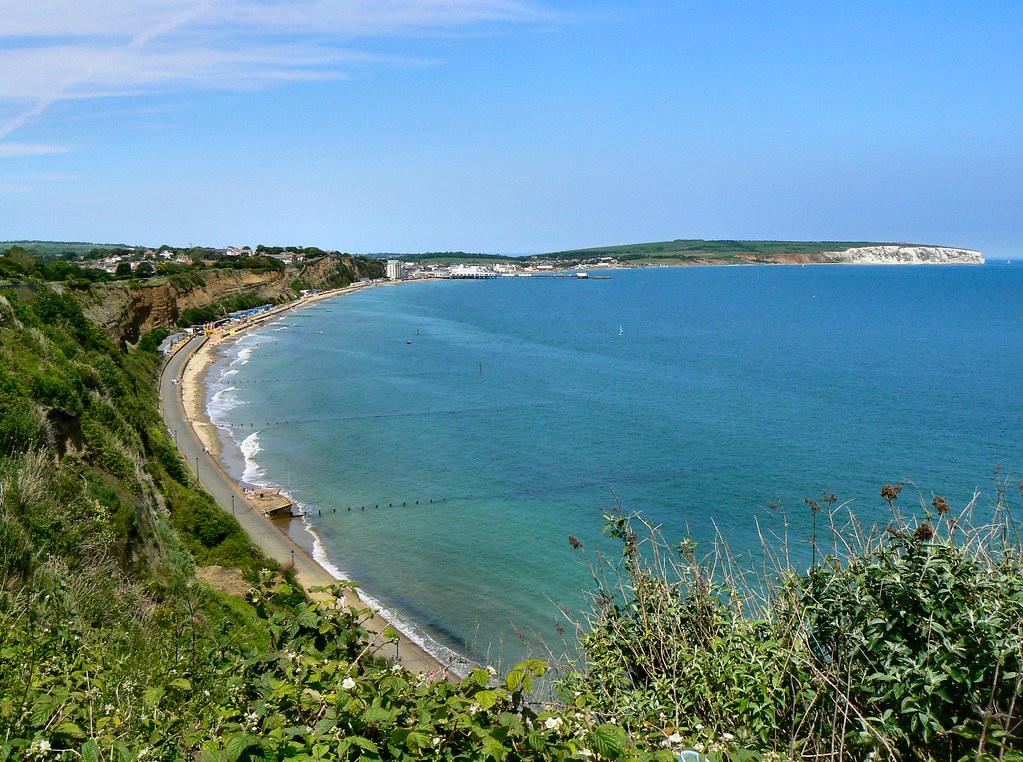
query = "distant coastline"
{"x": 699, "y": 252}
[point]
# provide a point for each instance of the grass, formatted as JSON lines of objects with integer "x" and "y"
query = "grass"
{"x": 685, "y": 250}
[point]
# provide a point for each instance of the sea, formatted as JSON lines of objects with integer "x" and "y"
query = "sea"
{"x": 447, "y": 438}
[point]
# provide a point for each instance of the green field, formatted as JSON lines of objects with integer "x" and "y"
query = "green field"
{"x": 451, "y": 258}
{"x": 696, "y": 249}
{"x": 60, "y": 247}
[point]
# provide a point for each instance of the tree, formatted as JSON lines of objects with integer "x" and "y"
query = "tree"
{"x": 145, "y": 270}
{"x": 123, "y": 270}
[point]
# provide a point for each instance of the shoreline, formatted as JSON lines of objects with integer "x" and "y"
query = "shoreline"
{"x": 193, "y": 360}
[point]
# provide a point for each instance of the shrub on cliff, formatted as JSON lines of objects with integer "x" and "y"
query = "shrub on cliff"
{"x": 904, "y": 643}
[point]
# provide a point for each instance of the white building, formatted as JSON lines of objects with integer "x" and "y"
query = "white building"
{"x": 471, "y": 271}
{"x": 396, "y": 269}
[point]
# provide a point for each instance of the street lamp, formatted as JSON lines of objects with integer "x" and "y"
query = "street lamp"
{"x": 232, "y": 504}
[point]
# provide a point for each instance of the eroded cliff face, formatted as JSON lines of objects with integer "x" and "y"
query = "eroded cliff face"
{"x": 126, "y": 310}
{"x": 906, "y": 255}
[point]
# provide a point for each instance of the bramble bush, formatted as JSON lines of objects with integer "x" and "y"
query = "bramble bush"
{"x": 903, "y": 642}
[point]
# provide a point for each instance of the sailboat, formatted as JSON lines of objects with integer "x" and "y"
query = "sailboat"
{"x": 621, "y": 330}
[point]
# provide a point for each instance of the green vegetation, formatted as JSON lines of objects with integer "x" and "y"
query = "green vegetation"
{"x": 904, "y": 642}
{"x": 20, "y": 264}
{"x": 697, "y": 250}
{"x": 213, "y": 312}
{"x": 61, "y": 248}
{"x": 899, "y": 644}
{"x": 452, "y": 258}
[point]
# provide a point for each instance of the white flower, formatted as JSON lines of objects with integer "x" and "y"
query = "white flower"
{"x": 674, "y": 739}
{"x": 395, "y": 668}
{"x": 474, "y": 708}
{"x": 491, "y": 670}
{"x": 43, "y": 745}
{"x": 552, "y": 723}
{"x": 436, "y": 740}
{"x": 348, "y": 683}
{"x": 728, "y": 736}
{"x": 584, "y": 753}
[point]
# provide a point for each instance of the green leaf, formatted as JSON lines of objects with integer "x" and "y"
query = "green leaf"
{"x": 536, "y": 741}
{"x": 486, "y": 699}
{"x": 152, "y": 696}
{"x": 90, "y": 751}
{"x": 608, "y": 740}
{"x": 363, "y": 743}
{"x": 70, "y": 729}
{"x": 181, "y": 684}
{"x": 521, "y": 675}
{"x": 238, "y": 744}
{"x": 514, "y": 679}
{"x": 492, "y": 748}
{"x": 417, "y": 740}
{"x": 479, "y": 678}
{"x": 376, "y": 715}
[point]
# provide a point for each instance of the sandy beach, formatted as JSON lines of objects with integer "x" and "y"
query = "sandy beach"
{"x": 184, "y": 408}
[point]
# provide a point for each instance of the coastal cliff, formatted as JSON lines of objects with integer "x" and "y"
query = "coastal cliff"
{"x": 897, "y": 254}
{"x": 127, "y": 309}
{"x": 735, "y": 252}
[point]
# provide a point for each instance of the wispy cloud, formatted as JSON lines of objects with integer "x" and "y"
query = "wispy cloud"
{"x": 9, "y": 150}
{"x": 53, "y": 50}
{"x": 26, "y": 183}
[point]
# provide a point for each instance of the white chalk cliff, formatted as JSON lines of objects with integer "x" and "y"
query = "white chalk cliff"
{"x": 906, "y": 255}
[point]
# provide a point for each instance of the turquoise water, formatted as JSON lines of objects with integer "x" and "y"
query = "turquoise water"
{"x": 519, "y": 411}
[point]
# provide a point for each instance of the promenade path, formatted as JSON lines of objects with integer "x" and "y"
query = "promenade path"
{"x": 271, "y": 540}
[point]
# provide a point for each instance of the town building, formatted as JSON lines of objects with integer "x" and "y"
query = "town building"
{"x": 396, "y": 269}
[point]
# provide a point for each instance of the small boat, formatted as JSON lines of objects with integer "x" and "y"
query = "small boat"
{"x": 621, "y": 330}
{"x": 409, "y": 341}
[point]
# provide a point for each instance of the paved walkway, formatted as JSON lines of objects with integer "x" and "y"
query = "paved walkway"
{"x": 271, "y": 540}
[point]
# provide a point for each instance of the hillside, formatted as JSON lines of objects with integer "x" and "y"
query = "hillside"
{"x": 452, "y": 257}
{"x": 697, "y": 251}
{"x": 56, "y": 248}
{"x": 128, "y": 309}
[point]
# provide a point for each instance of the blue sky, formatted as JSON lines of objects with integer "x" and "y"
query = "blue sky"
{"x": 510, "y": 125}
